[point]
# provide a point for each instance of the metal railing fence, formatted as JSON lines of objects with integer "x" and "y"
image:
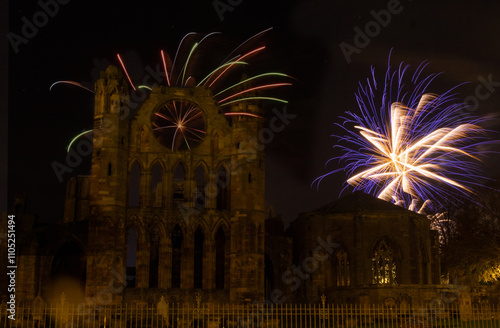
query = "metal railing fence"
{"x": 205, "y": 315}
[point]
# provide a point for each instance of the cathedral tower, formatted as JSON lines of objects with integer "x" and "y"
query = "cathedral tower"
{"x": 108, "y": 206}
{"x": 177, "y": 197}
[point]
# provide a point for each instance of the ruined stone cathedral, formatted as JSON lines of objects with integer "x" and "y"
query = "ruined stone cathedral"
{"x": 175, "y": 206}
{"x": 174, "y": 212}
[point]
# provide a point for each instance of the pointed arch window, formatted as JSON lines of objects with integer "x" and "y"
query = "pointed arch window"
{"x": 201, "y": 181}
{"x": 131, "y": 257}
{"x": 222, "y": 182}
{"x": 157, "y": 185}
{"x": 220, "y": 258}
{"x": 179, "y": 183}
{"x": 384, "y": 264}
{"x": 134, "y": 185}
{"x": 199, "y": 239}
{"x": 176, "y": 256}
{"x": 154, "y": 259}
{"x": 342, "y": 268}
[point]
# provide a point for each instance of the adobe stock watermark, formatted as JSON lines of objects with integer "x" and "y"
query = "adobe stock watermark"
{"x": 310, "y": 264}
{"x": 83, "y": 146}
{"x": 223, "y": 6}
{"x": 372, "y": 29}
{"x": 294, "y": 278}
{"x": 265, "y": 136}
{"x": 81, "y": 149}
{"x": 484, "y": 89}
{"x": 48, "y": 9}
{"x": 92, "y": 307}
{"x": 438, "y": 306}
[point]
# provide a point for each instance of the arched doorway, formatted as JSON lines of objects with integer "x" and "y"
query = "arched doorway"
{"x": 67, "y": 273}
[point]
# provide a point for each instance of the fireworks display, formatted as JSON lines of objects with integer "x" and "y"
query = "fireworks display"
{"x": 178, "y": 123}
{"x": 185, "y": 71}
{"x": 409, "y": 146}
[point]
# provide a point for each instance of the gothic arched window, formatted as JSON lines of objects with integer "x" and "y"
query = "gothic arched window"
{"x": 132, "y": 239}
{"x": 199, "y": 239}
{"x": 134, "y": 185}
{"x": 342, "y": 268}
{"x": 384, "y": 264}
{"x": 222, "y": 182}
{"x": 179, "y": 181}
{"x": 220, "y": 258}
{"x": 157, "y": 185}
{"x": 200, "y": 180}
{"x": 154, "y": 259}
{"x": 176, "y": 256}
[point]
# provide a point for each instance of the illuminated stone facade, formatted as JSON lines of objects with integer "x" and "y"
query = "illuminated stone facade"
{"x": 188, "y": 211}
{"x": 161, "y": 216}
{"x": 358, "y": 246}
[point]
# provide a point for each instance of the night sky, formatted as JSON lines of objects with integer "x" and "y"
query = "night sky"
{"x": 459, "y": 38}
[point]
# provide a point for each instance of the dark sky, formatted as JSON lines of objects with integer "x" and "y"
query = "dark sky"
{"x": 459, "y": 38}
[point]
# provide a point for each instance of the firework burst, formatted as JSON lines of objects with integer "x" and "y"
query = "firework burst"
{"x": 194, "y": 55}
{"x": 179, "y": 123}
{"x": 409, "y": 146}
{"x": 192, "y": 66}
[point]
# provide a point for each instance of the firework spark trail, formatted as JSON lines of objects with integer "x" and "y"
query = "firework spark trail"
{"x": 250, "y": 79}
{"x": 71, "y": 83}
{"x": 181, "y": 77}
{"x": 410, "y": 146}
{"x": 177, "y": 72}
{"x": 180, "y": 66}
{"x": 239, "y": 60}
{"x": 195, "y": 46}
{"x": 75, "y": 138}
{"x": 184, "y": 127}
{"x": 218, "y": 68}
{"x": 165, "y": 67}
{"x": 261, "y": 87}
{"x": 254, "y": 98}
{"x": 181, "y": 120}
{"x": 242, "y": 114}
{"x": 177, "y": 52}
{"x": 247, "y": 41}
{"x": 125, "y": 70}
{"x": 187, "y": 62}
{"x": 183, "y": 71}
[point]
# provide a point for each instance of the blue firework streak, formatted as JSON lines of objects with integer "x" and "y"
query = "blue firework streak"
{"x": 409, "y": 146}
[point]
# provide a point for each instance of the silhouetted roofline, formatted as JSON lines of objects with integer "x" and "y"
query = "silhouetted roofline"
{"x": 359, "y": 201}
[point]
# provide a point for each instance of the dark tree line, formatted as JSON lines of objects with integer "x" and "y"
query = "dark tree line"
{"x": 470, "y": 239}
